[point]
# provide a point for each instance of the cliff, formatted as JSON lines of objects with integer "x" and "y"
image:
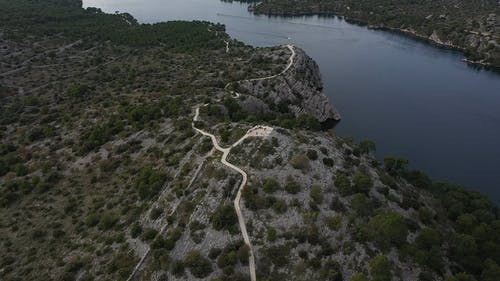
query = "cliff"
{"x": 299, "y": 89}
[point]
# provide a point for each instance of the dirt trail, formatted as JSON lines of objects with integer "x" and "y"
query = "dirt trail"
{"x": 257, "y": 131}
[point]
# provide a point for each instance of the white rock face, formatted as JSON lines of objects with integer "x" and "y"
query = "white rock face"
{"x": 299, "y": 88}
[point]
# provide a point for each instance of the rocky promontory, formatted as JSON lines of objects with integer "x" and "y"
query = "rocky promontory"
{"x": 300, "y": 90}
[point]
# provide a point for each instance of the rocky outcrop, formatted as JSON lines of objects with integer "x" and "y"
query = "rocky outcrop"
{"x": 299, "y": 90}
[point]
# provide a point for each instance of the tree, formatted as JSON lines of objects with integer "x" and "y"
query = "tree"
{"x": 387, "y": 229}
{"x": 227, "y": 259}
{"x": 428, "y": 238}
{"x": 395, "y": 166}
{"x": 224, "y": 217}
{"x": 343, "y": 184}
{"x": 367, "y": 146}
{"x": 199, "y": 266}
{"x": 362, "y": 205}
{"x": 380, "y": 268}
{"x": 491, "y": 271}
{"x": 362, "y": 183}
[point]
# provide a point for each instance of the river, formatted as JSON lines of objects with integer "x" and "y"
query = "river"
{"x": 414, "y": 100}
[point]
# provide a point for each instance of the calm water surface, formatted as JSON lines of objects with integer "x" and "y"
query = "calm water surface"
{"x": 412, "y": 99}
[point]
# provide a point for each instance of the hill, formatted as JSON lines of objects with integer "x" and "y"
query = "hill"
{"x": 178, "y": 153}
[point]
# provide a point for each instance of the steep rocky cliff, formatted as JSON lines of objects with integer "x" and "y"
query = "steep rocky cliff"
{"x": 299, "y": 90}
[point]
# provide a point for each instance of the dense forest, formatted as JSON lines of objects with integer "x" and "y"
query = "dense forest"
{"x": 58, "y": 16}
{"x": 472, "y": 26}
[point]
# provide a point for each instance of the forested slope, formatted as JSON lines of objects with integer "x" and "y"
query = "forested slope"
{"x": 472, "y": 26}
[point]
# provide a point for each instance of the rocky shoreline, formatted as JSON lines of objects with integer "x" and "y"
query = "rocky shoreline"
{"x": 433, "y": 39}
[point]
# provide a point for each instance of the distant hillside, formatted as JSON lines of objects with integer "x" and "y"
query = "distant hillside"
{"x": 472, "y": 26}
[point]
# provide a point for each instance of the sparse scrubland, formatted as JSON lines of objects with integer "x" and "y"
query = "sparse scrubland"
{"x": 99, "y": 165}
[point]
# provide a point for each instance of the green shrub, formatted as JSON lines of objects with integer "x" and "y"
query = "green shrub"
{"x": 177, "y": 268}
{"x": 149, "y": 234}
{"x": 316, "y": 194}
{"x": 333, "y": 222}
{"x": 92, "y": 219}
{"x": 328, "y": 162}
{"x": 312, "y": 154}
{"x": 135, "y": 230}
{"x": 343, "y": 184}
{"x": 199, "y": 266}
{"x": 107, "y": 221}
{"x": 271, "y": 234}
{"x": 271, "y": 185}
{"x": 387, "y": 229}
{"x": 362, "y": 183}
{"x": 380, "y": 268}
{"x": 155, "y": 213}
{"x": 280, "y": 206}
{"x": 362, "y": 205}
{"x": 224, "y": 217}
{"x": 149, "y": 182}
{"x": 279, "y": 255}
{"x": 292, "y": 187}
{"x": 366, "y": 146}
{"x": 300, "y": 162}
{"x": 227, "y": 258}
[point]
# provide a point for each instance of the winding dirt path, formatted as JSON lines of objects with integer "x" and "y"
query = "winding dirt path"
{"x": 257, "y": 131}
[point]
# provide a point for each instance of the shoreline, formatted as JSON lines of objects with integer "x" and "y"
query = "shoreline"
{"x": 401, "y": 31}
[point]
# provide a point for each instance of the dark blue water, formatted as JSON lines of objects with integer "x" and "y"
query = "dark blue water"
{"x": 412, "y": 99}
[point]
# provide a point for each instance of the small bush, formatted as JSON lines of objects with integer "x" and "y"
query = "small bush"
{"x": 271, "y": 185}
{"x": 292, "y": 187}
{"x": 107, "y": 221}
{"x": 343, "y": 184}
{"x": 177, "y": 268}
{"x": 300, "y": 162}
{"x": 199, "y": 266}
{"x": 328, "y": 162}
{"x": 333, "y": 222}
{"x": 149, "y": 234}
{"x": 224, "y": 218}
{"x": 316, "y": 194}
{"x": 362, "y": 183}
{"x": 380, "y": 268}
{"x": 135, "y": 230}
{"x": 280, "y": 206}
{"x": 271, "y": 234}
{"x": 227, "y": 258}
{"x": 155, "y": 213}
{"x": 312, "y": 154}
